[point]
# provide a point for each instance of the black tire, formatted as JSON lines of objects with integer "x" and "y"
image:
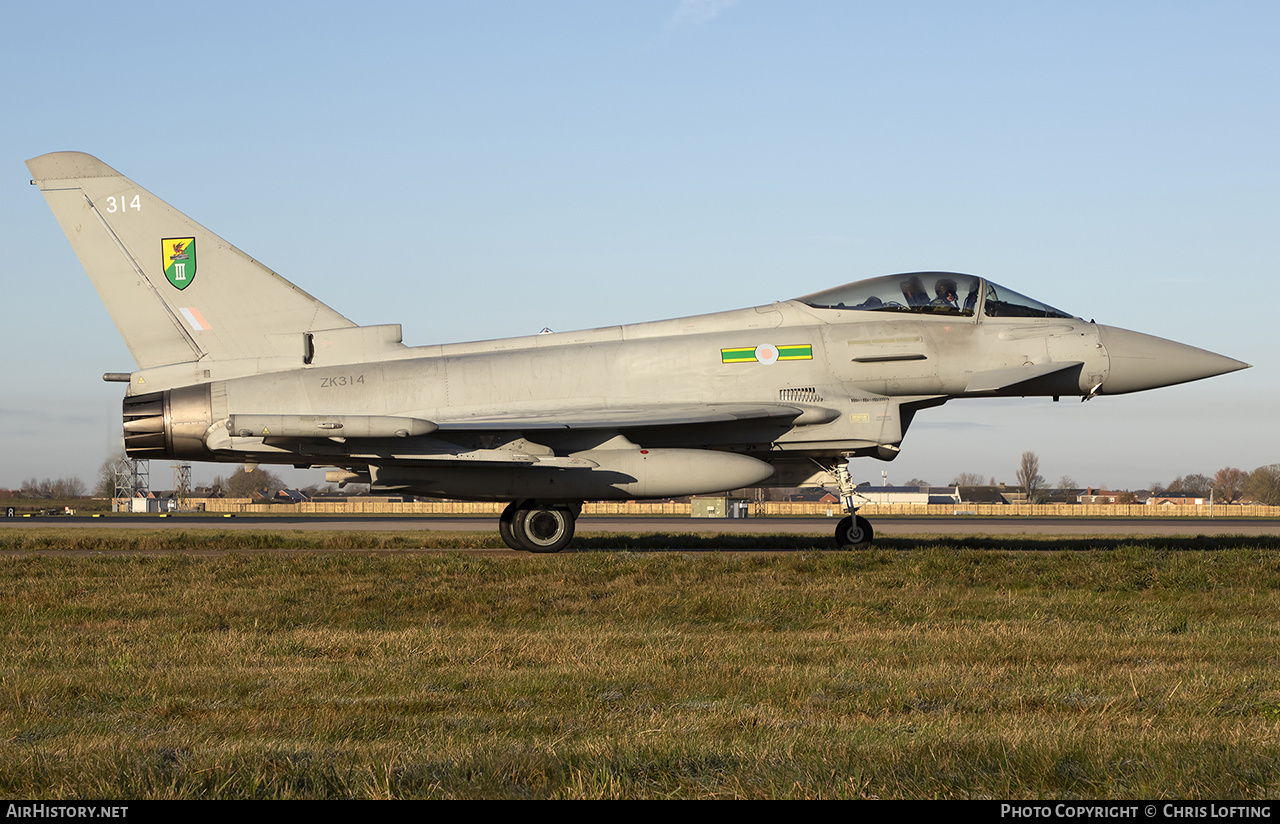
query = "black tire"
{"x": 854, "y": 532}
{"x": 506, "y": 529}
{"x": 543, "y": 529}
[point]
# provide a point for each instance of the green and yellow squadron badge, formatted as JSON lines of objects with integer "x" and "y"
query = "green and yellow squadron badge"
{"x": 179, "y": 260}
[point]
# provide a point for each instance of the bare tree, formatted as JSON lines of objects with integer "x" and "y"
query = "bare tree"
{"x": 69, "y": 487}
{"x": 1228, "y": 485}
{"x": 1067, "y": 482}
{"x": 1197, "y": 485}
{"x": 1263, "y": 485}
{"x": 1029, "y": 477}
{"x": 32, "y": 488}
{"x": 243, "y": 484}
{"x": 105, "y": 486}
{"x": 1189, "y": 486}
{"x": 968, "y": 479}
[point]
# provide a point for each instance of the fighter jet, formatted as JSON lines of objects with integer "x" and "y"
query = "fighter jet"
{"x": 237, "y": 364}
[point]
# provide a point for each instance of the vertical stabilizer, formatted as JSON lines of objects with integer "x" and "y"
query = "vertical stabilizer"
{"x": 176, "y": 291}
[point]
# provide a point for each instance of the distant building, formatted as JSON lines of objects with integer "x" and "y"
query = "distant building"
{"x": 910, "y": 494}
{"x": 812, "y": 494}
{"x": 1099, "y": 496}
{"x": 1175, "y": 501}
{"x": 1063, "y": 496}
{"x": 981, "y": 495}
{"x": 1113, "y": 496}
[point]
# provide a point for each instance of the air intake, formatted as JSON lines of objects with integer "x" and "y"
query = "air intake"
{"x": 803, "y": 394}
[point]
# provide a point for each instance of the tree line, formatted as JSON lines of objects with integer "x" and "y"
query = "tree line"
{"x": 1228, "y": 485}
{"x": 51, "y": 489}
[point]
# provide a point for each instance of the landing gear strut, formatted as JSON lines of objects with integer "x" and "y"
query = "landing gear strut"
{"x": 853, "y": 531}
{"x": 538, "y": 527}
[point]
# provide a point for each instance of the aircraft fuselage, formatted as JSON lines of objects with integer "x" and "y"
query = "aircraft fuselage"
{"x": 836, "y": 382}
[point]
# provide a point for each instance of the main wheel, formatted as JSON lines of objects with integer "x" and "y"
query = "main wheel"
{"x": 543, "y": 529}
{"x": 505, "y": 527}
{"x": 854, "y": 532}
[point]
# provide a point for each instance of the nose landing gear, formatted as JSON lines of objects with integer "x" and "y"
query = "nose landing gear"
{"x": 853, "y": 531}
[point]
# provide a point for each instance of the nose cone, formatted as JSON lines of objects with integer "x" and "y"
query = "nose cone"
{"x": 1141, "y": 361}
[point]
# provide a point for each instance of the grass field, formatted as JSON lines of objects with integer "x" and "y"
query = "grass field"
{"x": 982, "y": 668}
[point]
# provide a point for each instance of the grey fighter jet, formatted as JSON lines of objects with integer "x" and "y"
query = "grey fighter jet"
{"x": 235, "y": 363}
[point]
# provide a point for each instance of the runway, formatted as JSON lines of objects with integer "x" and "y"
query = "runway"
{"x": 895, "y": 526}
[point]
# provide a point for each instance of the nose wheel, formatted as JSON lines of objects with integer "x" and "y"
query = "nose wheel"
{"x": 854, "y": 532}
{"x": 532, "y": 527}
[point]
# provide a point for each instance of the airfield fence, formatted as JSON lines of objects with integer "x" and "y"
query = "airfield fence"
{"x": 765, "y": 509}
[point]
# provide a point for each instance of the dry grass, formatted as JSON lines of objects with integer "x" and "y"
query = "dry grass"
{"x": 949, "y": 670}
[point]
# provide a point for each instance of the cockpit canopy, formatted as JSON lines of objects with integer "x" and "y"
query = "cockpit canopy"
{"x": 932, "y": 293}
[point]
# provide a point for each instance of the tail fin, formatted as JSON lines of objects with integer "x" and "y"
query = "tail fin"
{"x": 176, "y": 291}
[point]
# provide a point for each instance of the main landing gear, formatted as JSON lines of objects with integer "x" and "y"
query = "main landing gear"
{"x": 538, "y": 527}
{"x": 853, "y": 531}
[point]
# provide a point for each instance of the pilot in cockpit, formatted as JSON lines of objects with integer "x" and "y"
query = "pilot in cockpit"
{"x": 945, "y": 289}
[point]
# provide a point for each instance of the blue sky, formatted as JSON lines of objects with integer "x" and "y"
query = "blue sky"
{"x": 484, "y": 169}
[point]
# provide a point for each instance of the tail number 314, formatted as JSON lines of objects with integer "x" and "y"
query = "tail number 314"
{"x": 119, "y": 204}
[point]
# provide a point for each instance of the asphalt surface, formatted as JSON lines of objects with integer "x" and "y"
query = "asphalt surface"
{"x": 954, "y": 525}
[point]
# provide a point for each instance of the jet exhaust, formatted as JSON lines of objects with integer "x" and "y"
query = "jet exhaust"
{"x": 168, "y": 424}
